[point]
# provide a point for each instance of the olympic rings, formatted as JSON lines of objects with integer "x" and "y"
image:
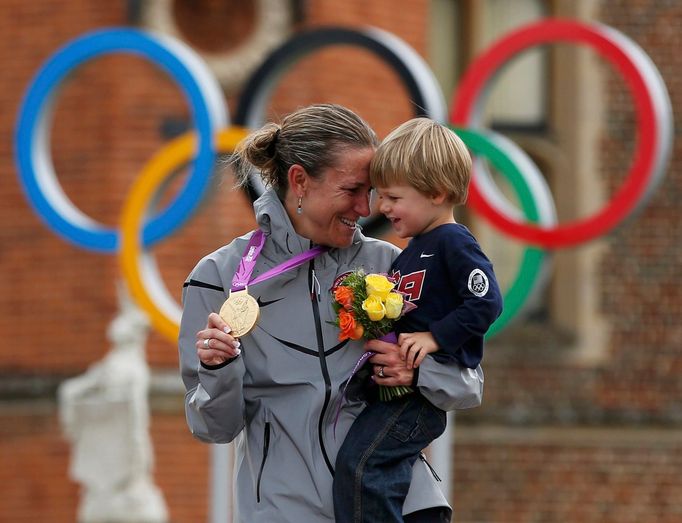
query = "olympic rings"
{"x": 139, "y": 269}
{"x": 37, "y": 174}
{"x": 35, "y": 166}
{"x": 652, "y": 105}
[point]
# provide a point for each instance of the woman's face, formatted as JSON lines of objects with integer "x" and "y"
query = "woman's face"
{"x": 334, "y": 202}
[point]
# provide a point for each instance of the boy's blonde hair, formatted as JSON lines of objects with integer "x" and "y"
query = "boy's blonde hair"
{"x": 425, "y": 155}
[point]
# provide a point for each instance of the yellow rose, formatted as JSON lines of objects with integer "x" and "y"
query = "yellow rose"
{"x": 378, "y": 285}
{"x": 374, "y": 308}
{"x": 394, "y": 305}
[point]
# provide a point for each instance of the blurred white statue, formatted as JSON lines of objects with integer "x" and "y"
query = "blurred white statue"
{"x": 105, "y": 414}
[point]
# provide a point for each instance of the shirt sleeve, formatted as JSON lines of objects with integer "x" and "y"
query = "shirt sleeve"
{"x": 450, "y": 386}
{"x": 460, "y": 332}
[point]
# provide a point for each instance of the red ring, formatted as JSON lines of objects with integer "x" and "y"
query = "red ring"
{"x": 642, "y": 168}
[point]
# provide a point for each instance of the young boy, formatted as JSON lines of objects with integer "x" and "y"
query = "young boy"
{"x": 421, "y": 171}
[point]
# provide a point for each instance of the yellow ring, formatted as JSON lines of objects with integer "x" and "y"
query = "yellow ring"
{"x": 141, "y": 275}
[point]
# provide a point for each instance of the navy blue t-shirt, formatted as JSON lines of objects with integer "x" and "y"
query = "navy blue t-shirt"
{"x": 445, "y": 273}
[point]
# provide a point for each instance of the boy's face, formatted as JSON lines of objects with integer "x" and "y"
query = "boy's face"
{"x": 411, "y": 212}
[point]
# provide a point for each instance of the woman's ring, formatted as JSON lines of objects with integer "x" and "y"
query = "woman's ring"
{"x": 206, "y": 343}
{"x": 381, "y": 372}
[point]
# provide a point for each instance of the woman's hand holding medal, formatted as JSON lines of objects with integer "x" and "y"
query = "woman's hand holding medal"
{"x": 215, "y": 345}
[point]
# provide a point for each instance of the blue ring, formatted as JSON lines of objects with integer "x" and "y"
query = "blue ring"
{"x": 34, "y": 111}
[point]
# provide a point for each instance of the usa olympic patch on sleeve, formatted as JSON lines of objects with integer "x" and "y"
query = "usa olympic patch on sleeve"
{"x": 478, "y": 283}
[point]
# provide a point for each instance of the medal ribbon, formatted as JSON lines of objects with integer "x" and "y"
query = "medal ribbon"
{"x": 248, "y": 262}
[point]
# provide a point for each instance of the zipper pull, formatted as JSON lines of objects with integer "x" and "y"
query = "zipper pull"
{"x": 315, "y": 285}
{"x": 423, "y": 458}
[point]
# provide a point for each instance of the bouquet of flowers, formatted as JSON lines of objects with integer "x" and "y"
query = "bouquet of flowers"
{"x": 367, "y": 306}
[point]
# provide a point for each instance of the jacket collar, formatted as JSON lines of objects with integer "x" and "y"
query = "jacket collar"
{"x": 274, "y": 221}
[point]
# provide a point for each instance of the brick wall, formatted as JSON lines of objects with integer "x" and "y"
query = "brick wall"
{"x": 36, "y": 457}
{"x": 572, "y": 474}
{"x": 555, "y": 440}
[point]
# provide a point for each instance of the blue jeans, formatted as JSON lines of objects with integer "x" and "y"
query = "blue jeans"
{"x": 374, "y": 464}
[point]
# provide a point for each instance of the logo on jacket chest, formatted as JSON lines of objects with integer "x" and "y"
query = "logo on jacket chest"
{"x": 411, "y": 284}
{"x": 339, "y": 279}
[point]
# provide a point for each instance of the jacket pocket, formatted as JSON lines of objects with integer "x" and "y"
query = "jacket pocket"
{"x": 419, "y": 422}
{"x": 266, "y": 446}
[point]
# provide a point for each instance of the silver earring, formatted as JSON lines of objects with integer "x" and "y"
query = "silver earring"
{"x": 299, "y": 209}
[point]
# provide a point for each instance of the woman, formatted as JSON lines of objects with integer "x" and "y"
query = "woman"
{"x": 278, "y": 386}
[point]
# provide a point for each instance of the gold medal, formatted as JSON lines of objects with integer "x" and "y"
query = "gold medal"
{"x": 241, "y": 312}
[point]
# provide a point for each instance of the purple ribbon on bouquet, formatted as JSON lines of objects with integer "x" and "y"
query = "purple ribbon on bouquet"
{"x": 388, "y": 338}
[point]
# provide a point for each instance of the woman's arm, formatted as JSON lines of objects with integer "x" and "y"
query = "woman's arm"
{"x": 214, "y": 403}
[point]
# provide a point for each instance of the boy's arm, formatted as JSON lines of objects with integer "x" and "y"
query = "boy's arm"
{"x": 414, "y": 346}
{"x": 460, "y": 333}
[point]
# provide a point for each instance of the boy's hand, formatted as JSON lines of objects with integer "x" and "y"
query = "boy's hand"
{"x": 414, "y": 346}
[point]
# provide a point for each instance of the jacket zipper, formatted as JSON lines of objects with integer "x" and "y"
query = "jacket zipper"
{"x": 314, "y": 298}
{"x": 423, "y": 458}
{"x": 266, "y": 446}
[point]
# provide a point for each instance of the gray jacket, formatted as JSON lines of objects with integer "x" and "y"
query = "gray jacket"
{"x": 279, "y": 398}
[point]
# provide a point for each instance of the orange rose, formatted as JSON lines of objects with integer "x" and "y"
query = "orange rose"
{"x": 344, "y": 296}
{"x": 349, "y": 327}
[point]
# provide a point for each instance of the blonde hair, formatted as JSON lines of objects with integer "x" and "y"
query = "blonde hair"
{"x": 425, "y": 155}
{"x": 312, "y": 137}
